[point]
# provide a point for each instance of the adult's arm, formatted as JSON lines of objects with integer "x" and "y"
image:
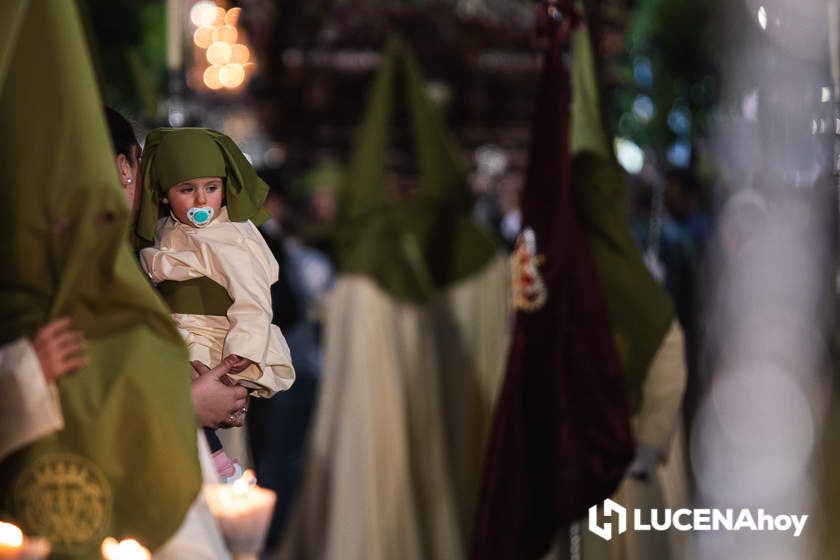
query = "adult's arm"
{"x": 29, "y": 405}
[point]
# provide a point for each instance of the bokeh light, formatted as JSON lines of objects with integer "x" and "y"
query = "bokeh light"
{"x": 232, "y": 16}
{"x": 229, "y": 61}
{"x": 643, "y": 108}
{"x": 211, "y": 77}
{"x": 212, "y": 17}
{"x": 198, "y": 10}
{"x": 630, "y": 156}
{"x": 232, "y": 75}
{"x": 762, "y": 17}
{"x": 239, "y": 54}
{"x": 203, "y": 37}
{"x": 218, "y": 53}
{"x": 226, "y": 34}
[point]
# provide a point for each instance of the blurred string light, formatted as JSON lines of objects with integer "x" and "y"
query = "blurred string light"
{"x": 439, "y": 93}
{"x": 679, "y": 120}
{"x": 762, "y": 17}
{"x": 679, "y": 153}
{"x": 630, "y": 156}
{"x": 643, "y": 72}
{"x": 749, "y": 106}
{"x": 643, "y": 108}
{"x": 217, "y": 34}
{"x": 491, "y": 159}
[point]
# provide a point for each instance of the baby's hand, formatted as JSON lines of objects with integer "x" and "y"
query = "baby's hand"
{"x": 240, "y": 365}
{"x": 60, "y": 350}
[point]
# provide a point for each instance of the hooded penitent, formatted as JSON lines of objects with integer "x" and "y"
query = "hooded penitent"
{"x": 640, "y": 309}
{"x": 641, "y": 313}
{"x": 561, "y": 438}
{"x": 415, "y": 339}
{"x": 129, "y": 421}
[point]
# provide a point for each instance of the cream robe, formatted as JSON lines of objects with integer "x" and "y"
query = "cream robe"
{"x": 234, "y": 255}
{"x": 29, "y": 405}
{"x": 404, "y": 411}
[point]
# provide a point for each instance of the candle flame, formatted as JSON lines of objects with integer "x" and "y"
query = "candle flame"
{"x": 10, "y": 535}
{"x": 244, "y": 482}
{"x": 128, "y": 549}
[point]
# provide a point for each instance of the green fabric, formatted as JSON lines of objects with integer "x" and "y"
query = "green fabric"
{"x": 640, "y": 309}
{"x": 586, "y": 130}
{"x": 416, "y": 246}
{"x": 171, "y": 155}
{"x": 199, "y": 296}
{"x": 10, "y": 26}
{"x": 126, "y": 462}
{"x": 185, "y": 154}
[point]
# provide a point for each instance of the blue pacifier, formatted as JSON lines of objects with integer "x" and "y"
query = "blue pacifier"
{"x": 200, "y": 216}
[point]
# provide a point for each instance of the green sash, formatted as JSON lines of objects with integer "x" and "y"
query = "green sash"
{"x": 199, "y": 296}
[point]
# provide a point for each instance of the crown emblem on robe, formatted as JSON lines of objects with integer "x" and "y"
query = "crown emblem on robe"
{"x": 528, "y": 287}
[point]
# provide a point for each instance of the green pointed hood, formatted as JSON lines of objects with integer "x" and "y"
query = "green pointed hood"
{"x": 172, "y": 155}
{"x": 640, "y": 309}
{"x": 416, "y": 246}
{"x": 128, "y": 416}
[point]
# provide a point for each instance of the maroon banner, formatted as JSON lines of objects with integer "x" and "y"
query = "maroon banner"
{"x": 561, "y": 438}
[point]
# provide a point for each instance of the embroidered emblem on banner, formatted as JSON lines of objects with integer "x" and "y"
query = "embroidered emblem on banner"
{"x": 66, "y": 499}
{"x": 528, "y": 287}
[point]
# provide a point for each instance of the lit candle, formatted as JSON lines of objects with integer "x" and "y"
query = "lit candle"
{"x": 243, "y": 511}
{"x": 11, "y": 541}
{"x": 13, "y": 545}
{"x": 128, "y": 549}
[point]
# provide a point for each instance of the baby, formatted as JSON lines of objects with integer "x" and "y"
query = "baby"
{"x": 209, "y": 260}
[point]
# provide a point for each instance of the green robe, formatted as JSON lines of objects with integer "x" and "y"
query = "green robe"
{"x": 126, "y": 463}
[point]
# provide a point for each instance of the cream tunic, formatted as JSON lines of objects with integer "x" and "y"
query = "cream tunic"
{"x": 234, "y": 255}
{"x": 29, "y": 406}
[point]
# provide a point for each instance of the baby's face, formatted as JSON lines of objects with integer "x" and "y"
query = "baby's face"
{"x": 195, "y": 193}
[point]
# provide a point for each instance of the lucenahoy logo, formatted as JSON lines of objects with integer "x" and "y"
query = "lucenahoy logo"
{"x": 683, "y": 519}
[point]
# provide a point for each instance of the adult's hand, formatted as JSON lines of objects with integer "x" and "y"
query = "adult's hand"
{"x": 60, "y": 348}
{"x": 216, "y": 402}
{"x": 643, "y": 467}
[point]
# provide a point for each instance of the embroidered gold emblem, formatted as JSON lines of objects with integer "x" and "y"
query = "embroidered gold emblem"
{"x": 528, "y": 287}
{"x": 65, "y": 498}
